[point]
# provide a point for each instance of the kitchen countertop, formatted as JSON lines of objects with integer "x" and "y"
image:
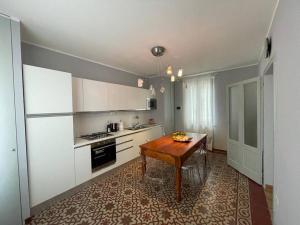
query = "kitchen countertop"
{"x": 79, "y": 142}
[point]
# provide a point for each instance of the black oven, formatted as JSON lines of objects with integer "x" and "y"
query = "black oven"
{"x": 103, "y": 153}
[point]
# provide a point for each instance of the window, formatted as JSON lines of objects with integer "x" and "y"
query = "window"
{"x": 198, "y": 108}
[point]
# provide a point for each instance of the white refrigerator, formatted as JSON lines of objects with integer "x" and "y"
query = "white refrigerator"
{"x": 49, "y": 131}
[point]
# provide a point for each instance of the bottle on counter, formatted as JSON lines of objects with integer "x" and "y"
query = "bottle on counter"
{"x": 108, "y": 127}
{"x": 121, "y": 125}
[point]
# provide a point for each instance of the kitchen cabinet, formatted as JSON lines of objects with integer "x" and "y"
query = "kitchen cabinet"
{"x": 125, "y": 149}
{"x": 83, "y": 165}
{"x": 77, "y": 93}
{"x": 118, "y": 96}
{"x": 90, "y": 95}
{"x": 47, "y": 91}
{"x": 95, "y": 95}
{"x": 155, "y": 132}
{"x": 128, "y": 147}
{"x": 50, "y": 157}
{"x": 146, "y": 136}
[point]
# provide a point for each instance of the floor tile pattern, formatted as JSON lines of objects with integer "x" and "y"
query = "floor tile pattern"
{"x": 221, "y": 196}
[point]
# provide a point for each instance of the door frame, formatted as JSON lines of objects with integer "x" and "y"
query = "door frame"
{"x": 241, "y": 133}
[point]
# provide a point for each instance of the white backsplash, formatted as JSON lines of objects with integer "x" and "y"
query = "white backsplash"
{"x": 85, "y": 123}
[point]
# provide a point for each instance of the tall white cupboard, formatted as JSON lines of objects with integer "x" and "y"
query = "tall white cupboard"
{"x": 49, "y": 126}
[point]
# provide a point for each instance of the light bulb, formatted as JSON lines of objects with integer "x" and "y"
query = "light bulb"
{"x": 180, "y": 72}
{"x": 169, "y": 70}
{"x": 172, "y": 78}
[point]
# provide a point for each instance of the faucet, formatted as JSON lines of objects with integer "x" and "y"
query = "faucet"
{"x": 137, "y": 122}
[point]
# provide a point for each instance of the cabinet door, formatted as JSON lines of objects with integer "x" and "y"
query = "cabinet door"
{"x": 155, "y": 132}
{"x": 141, "y": 137}
{"x": 83, "y": 165}
{"x": 10, "y": 205}
{"x": 95, "y": 95}
{"x": 117, "y": 97}
{"x": 77, "y": 90}
{"x": 47, "y": 91}
{"x": 145, "y": 93}
{"x": 50, "y": 157}
{"x": 130, "y": 97}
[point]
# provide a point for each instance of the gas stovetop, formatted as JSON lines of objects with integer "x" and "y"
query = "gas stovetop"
{"x": 94, "y": 136}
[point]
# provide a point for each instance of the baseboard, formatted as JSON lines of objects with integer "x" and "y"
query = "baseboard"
{"x": 269, "y": 188}
{"x": 28, "y": 220}
{"x": 215, "y": 150}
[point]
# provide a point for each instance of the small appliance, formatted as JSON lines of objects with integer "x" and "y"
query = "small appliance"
{"x": 151, "y": 103}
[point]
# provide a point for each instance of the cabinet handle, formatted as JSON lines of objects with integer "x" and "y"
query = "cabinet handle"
{"x": 100, "y": 156}
{"x": 125, "y": 149}
{"x": 13, "y": 149}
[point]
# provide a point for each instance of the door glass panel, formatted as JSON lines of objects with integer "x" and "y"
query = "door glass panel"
{"x": 250, "y": 114}
{"x": 234, "y": 113}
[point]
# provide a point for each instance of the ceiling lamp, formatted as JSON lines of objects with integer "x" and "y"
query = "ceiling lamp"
{"x": 180, "y": 72}
{"x": 172, "y": 78}
{"x": 169, "y": 70}
{"x": 159, "y": 51}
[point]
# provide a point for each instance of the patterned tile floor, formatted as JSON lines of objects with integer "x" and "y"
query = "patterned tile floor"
{"x": 122, "y": 197}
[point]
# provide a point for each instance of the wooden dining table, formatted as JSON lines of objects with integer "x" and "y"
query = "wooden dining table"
{"x": 173, "y": 153}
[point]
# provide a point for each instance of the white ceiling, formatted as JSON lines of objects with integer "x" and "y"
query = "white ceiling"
{"x": 199, "y": 35}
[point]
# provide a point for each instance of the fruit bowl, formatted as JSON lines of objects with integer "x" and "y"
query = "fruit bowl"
{"x": 181, "y": 137}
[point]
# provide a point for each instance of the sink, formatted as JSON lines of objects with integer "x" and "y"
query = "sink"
{"x": 138, "y": 127}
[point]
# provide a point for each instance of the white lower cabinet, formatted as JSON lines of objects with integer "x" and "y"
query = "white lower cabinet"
{"x": 155, "y": 132}
{"x": 128, "y": 148}
{"x": 50, "y": 157}
{"x": 83, "y": 164}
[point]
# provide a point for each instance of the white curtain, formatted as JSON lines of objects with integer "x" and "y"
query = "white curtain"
{"x": 198, "y": 106}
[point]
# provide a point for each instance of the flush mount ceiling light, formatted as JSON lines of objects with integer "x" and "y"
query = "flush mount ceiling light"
{"x": 159, "y": 51}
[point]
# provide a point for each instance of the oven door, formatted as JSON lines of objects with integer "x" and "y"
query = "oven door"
{"x": 103, "y": 156}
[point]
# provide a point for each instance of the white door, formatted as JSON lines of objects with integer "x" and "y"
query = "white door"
{"x": 244, "y": 149}
{"x": 10, "y": 203}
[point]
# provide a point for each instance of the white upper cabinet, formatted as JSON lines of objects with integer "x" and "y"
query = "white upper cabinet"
{"x": 47, "y": 91}
{"x": 117, "y": 97}
{"x": 95, "y": 95}
{"x": 91, "y": 95}
{"x": 144, "y": 94}
{"x": 77, "y": 91}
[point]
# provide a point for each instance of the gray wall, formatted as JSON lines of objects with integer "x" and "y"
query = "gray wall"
{"x": 178, "y": 102}
{"x": 42, "y": 57}
{"x": 222, "y": 79}
{"x": 164, "y": 113}
{"x": 268, "y": 120}
{"x": 286, "y": 54}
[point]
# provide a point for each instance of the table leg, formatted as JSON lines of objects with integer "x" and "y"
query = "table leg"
{"x": 205, "y": 149}
{"x": 143, "y": 164}
{"x": 178, "y": 183}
